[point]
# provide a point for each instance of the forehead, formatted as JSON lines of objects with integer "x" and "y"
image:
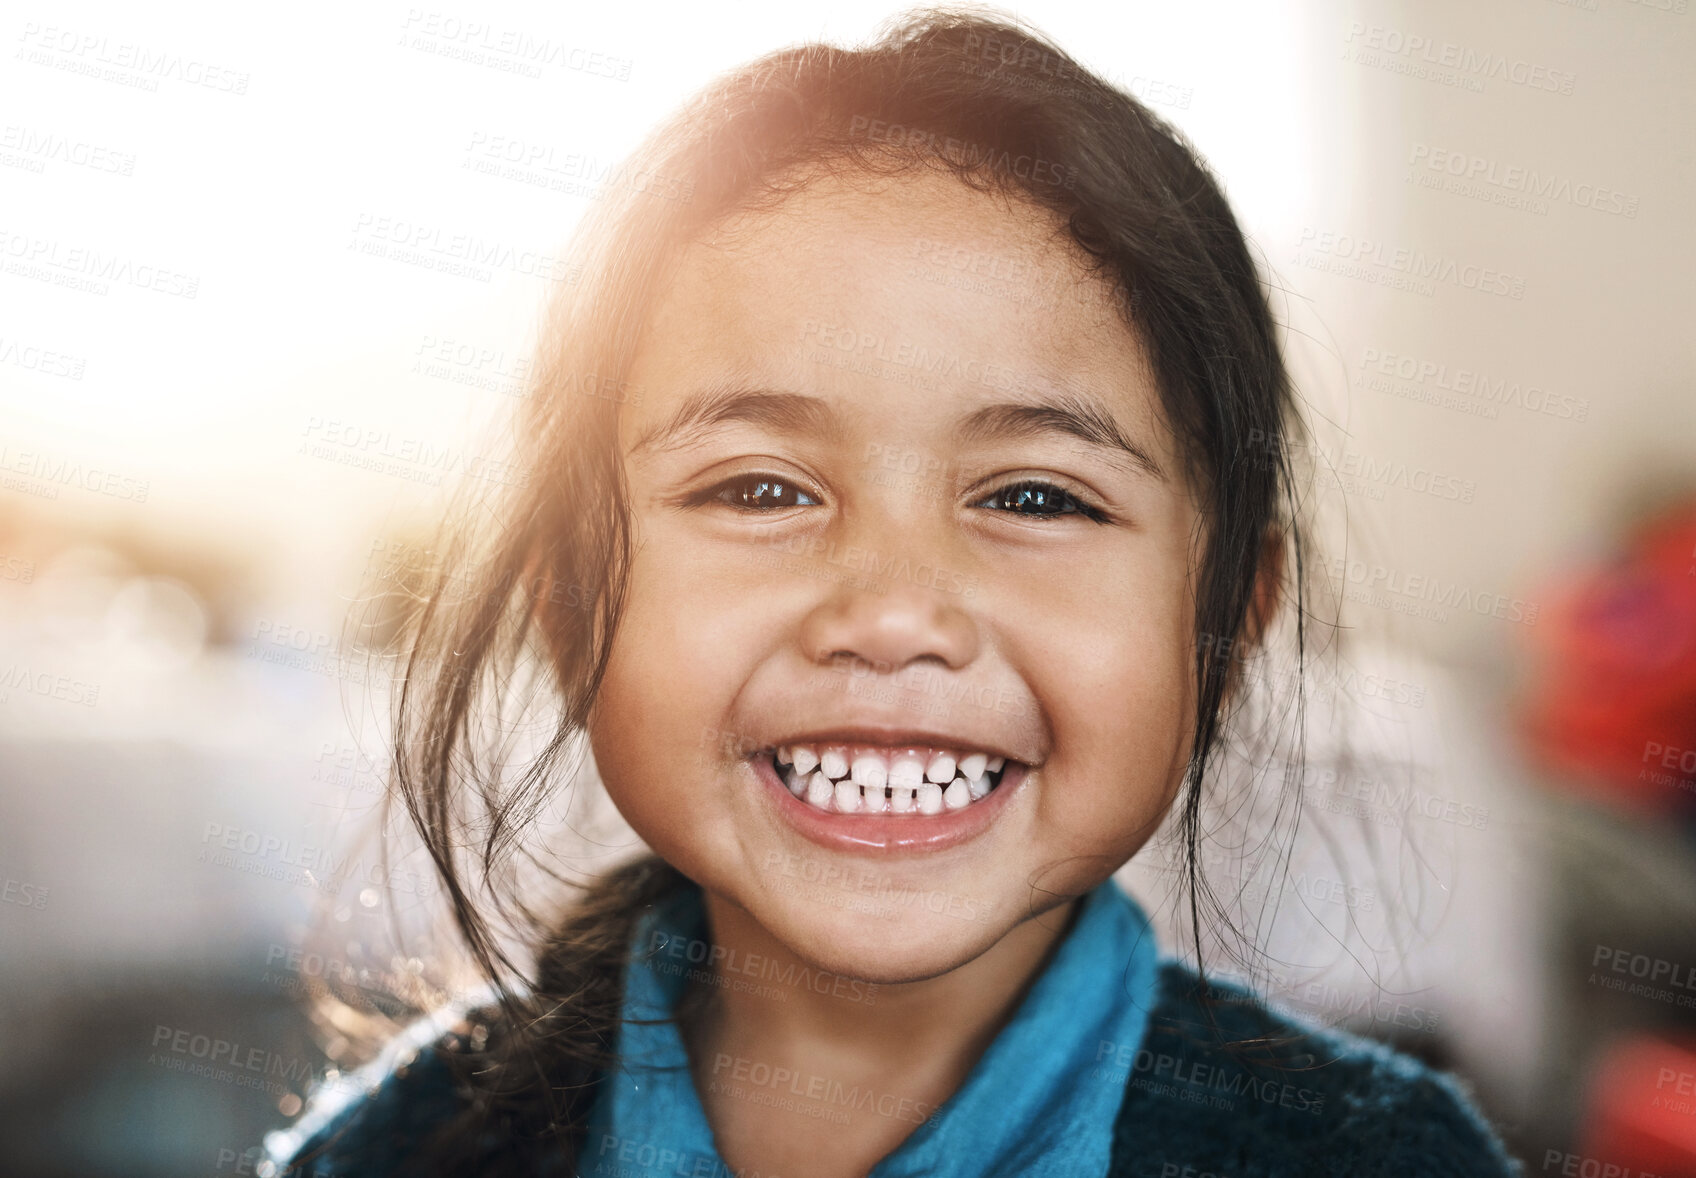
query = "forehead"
{"x": 873, "y": 290}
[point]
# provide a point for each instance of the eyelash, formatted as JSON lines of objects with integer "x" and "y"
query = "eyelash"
{"x": 1048, "y": 490}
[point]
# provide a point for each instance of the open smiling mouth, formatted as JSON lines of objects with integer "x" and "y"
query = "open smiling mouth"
{"x": 868, "y": 779}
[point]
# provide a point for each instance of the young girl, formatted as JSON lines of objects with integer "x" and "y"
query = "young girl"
{"x": 906, "y": 469}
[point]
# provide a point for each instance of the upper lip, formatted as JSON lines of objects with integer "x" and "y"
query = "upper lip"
{"x": 891, "y": 737}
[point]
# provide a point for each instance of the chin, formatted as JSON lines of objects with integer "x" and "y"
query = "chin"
{"x": 878, "y": 940}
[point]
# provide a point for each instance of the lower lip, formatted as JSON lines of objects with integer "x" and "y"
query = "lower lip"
{"x": 890, "y": 832}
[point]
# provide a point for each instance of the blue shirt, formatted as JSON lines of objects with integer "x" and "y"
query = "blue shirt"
{"x": 1080, "y": 1082}
{"x": 1036, "y": 1105}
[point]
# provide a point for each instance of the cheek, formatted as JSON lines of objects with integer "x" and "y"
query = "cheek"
{"x": 1121, "y": 698}
{"x": 657, "y": 727}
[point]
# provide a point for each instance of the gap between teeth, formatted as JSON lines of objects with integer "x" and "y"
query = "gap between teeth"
{"x": 827, "y": 783}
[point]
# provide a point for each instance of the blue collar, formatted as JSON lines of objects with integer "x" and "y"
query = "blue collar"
{"x": 1038, "y": 1104}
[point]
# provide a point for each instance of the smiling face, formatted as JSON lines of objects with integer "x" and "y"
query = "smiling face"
{"x": 917, "y": 500}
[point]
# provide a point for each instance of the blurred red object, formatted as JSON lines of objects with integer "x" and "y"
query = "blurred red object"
{"x": 1642, "y": 1110}
{"x": 1612, "y": 706}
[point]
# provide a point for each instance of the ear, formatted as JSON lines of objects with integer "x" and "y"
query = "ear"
{"x": 1262, "y": 608}
{"x": 1268, "y": 588}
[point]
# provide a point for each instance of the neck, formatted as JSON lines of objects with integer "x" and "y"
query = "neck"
{"x": 929, "y": 1032}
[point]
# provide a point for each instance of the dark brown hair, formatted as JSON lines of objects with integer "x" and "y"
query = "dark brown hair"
{"x": 1006, "y": 112}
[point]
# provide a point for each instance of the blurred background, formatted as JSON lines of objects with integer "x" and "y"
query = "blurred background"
{"x": 229, "y": 405}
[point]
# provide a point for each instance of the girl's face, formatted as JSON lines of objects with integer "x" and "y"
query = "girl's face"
{"x": 900, "y": 480}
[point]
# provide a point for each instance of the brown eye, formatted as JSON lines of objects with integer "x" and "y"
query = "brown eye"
{"x": 759, "y": 492}
{"x": 1033, "y": 498}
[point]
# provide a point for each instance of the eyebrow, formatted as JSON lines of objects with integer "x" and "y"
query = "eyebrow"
{"x": 1062, "y": 412}
{"x": 719, "y": 404}
{"x": 1051, "y": 412}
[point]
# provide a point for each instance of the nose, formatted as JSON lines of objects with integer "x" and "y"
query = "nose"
{"x": 889, "y": 625}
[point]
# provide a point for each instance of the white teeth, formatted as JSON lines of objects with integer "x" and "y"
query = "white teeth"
{"x": 820, "y": 791}
{"x": 847, "y": 797}
{"x": 833, "y": 762}
{"x": 852, "y": 780}
{"x": 907, "y": 769}
{"x": 870, "y": 770}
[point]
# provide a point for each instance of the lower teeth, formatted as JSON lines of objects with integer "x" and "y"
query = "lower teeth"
{"x": 823, "y": 793}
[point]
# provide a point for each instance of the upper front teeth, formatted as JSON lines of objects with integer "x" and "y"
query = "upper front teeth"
{"x": 833, "y": 763}
{"x": 870, "y": 769}
{"x": 862, "y": 779}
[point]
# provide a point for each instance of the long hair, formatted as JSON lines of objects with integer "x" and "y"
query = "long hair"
{"x": 1007, "y": 112}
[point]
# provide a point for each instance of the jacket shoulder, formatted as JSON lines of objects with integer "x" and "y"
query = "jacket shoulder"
{"x": 369, "y": 1122}
{"x": 1223, "y": 1083}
